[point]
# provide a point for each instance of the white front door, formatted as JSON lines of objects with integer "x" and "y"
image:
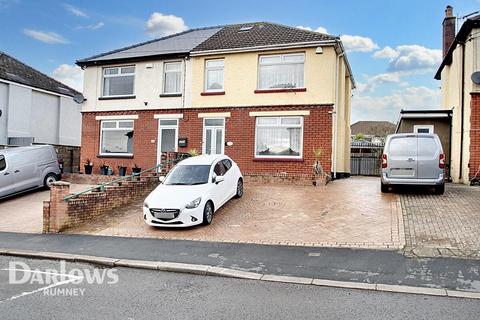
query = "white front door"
{"x": 167, "y": 137}
{"x": 213, "y": 135}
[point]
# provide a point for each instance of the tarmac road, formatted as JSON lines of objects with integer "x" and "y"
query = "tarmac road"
{"x": 144, "y": 294}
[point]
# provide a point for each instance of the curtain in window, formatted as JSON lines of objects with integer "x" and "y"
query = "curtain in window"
{"x": 215, "y": 79}
{"x": 281, "y": 76}
{"x": 280, "y": 141}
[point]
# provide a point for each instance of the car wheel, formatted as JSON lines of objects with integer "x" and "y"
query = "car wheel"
{"x": 49, "y": 180}
{"x": 440, "y": 189}
{"x": 384, "y": 188}
{"x": 239, "y": 193}
{"x": 208, "y": 213}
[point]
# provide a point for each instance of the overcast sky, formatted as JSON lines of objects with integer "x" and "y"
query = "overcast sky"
{"x": 393, "y": 46}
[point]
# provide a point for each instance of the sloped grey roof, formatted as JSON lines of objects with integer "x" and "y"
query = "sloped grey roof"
{"x": 16, "y": 71}
{"x": 260, "y": 34}
{"x": 180, "y": 43}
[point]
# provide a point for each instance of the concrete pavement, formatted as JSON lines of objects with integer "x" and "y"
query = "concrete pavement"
{"x": 145, "y": 294}
{"x": 352, "y": 265}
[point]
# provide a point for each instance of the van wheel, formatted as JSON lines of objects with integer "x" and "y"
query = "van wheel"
{"x": 208, "y": 213}
{"x": 440, "y": 189}
{"x": 384, "y": 188}
{"x": 49, "y": 180}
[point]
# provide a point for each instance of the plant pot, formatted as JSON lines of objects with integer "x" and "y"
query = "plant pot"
{"x": 136, "y": 170}
{"x": 122, "y": 171}
{"x": 319, "y": 181}
{"x": 104, "y": 170}
{"x": 88, "y": 168}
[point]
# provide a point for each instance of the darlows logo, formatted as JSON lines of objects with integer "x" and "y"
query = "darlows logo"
{"x": 21, "y": 273}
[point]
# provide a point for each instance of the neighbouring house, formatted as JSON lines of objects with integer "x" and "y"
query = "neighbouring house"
{"x": 36, "y": 109}
{"x": 372, "y": 131}
{"x": 429, "y": 121}
{"x": 265, "y": 94}
{"x": 459, "y": 73}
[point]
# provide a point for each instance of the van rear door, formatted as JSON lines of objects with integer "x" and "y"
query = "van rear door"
{"x": 429, "y": 150}
{"x": 402, "y": 157}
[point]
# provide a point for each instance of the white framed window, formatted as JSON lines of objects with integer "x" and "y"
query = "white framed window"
{"x": 172, "y": 77}
{"x": 116, "y": 137}
{"x": 281, "y": 71}
{"x": 214, "y": 75}
{"x": 118, "y": 81}
{"x": 213, "y": 135}
{"x": 279, "y": 137}
{"x": 421, "y": 128}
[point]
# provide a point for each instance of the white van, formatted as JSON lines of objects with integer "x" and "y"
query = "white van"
{"x": 25, "y": 168}
{"x": 413, "y": 159}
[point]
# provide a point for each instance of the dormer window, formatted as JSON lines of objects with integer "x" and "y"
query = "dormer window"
{"x": 118, "y": 81}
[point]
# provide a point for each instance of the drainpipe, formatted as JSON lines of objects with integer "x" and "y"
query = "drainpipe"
{"x": 334, "y": 114}
{"x": 184, "y": 80}
{"x": 462, "y": 110}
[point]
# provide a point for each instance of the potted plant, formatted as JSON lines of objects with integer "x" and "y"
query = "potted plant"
{"x": 319, "y": 176}
{"x": 88, "y": 166}
{"x": 136, "y": 169}
{"x": 104, "y": 169}
{"x": 122, "y": 170}
{"x": 193, "y": 152}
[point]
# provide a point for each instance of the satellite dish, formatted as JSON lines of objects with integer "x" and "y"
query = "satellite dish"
{"x": 476, "y": 77}
{"x": 78, "y": 98}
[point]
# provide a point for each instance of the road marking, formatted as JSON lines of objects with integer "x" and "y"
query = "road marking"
{"x": 314, "y": 254}
{"x": 53, "y": 285}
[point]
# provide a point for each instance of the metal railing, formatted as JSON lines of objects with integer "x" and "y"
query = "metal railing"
{"x": 101, "y": 187}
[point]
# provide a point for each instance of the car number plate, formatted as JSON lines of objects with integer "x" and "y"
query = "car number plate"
{"x": 164, "y": 215}
{"x": 404, "y": 172}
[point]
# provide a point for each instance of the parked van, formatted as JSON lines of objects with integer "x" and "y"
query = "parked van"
{"x": 25, "y": 168}
{"x": 413, "y": 159}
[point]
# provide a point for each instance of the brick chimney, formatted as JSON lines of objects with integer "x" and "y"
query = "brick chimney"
{"x": 448, "y": 29}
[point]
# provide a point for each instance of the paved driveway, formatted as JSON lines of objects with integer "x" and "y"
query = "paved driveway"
{"x": 346, "y": 213}
{"x": 24, "y": 212}
{"x": 443, "y": 225}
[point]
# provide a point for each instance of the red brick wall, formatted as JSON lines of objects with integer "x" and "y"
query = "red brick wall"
{"x": 474, "y": 162}
{"x": 239, "y": 129}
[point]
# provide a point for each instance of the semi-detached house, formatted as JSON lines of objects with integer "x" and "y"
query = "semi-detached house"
{"x": 265, "y": 94}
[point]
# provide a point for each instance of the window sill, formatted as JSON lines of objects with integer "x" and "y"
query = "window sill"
{"x": 280, "y": 90}
{"x": 116, "y": 98}
{"x": 273, "y": 159}
{"x": 213, "y": 93}
{"x": 123, "y": 156}
{"x": 170, "y": 95}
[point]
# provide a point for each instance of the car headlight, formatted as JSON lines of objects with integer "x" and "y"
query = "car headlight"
{"x": 145, "y": 205}
{"x": 195, "y": 203}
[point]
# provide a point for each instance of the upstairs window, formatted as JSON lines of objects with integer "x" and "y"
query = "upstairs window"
{"x": 116, "y": 137}
{"x": 118, "y": 81}
{"x": 214, "y": 75}
{"x": 281, "y": 71}
{"x": 172, "y": 77}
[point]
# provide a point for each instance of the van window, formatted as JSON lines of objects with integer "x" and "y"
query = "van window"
{"x": 427, "y": 146}
{"x": 403, "y": 146}
{"x": 3, "y": 163}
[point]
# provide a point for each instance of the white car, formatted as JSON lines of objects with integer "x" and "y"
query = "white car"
{"x": 192, "y": 191}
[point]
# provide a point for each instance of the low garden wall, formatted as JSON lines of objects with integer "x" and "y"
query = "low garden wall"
{"x": 59, "y": 214}
{"x": 285, "y": 179}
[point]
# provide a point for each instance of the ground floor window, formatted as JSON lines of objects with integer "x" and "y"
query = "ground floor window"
{"x": 116, "y": 137}
{"x": 279, "y": 137}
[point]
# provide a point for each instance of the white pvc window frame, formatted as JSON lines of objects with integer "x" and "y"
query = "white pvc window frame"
{"x": 281, "y": 60}
{"x": 214, "y": 68}
{"x": 117, "y": 128}
{"x": 165, "y": 71}
{"x": 277, "y": 125}
{"x": 417, "y": 127}
{"x": 118, "y": 74}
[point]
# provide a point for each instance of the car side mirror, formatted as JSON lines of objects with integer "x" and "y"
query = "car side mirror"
{"x": 161, "y": 179}
{"x": 219, "y": 179}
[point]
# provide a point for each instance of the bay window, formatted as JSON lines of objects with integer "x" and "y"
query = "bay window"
{"x": 279, "y": 137}
{"x": 116, "y": 137}
{"x": 172, "y": 77}
{"x": 281, "y": 71}
{"x": 118, "y": 81}
{"x": 214, "y": 75}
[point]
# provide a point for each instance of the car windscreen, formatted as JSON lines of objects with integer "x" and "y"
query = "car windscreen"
{"x": 188, "y": 175}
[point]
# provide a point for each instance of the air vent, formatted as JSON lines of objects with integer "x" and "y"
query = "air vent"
{"x": 245, "y": 28}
